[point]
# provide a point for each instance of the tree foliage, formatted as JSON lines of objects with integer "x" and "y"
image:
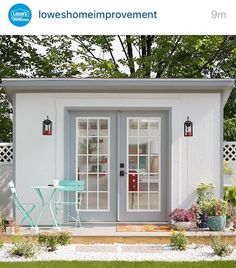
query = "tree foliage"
{"x": 145, "y": 56}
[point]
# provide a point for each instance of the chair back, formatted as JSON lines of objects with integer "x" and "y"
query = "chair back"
{"x": 72, "y": 185}
{"x": 14, "y": 195}
{"x": 12, "y": 187}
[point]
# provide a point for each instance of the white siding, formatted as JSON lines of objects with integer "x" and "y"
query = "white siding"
{"x": 40, "y": 159}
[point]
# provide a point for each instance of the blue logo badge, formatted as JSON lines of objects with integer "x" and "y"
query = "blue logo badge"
{"x": 19, "y": 15}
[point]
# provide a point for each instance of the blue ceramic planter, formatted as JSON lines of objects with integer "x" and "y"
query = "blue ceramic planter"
{"x": 216, "y": 223}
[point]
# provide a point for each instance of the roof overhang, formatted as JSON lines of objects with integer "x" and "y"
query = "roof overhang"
{"x": 91, "y": 85}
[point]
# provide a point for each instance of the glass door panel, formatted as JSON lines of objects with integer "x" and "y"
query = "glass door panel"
{"x": 93, "y": 161}
{"x": 143, "y": 137}
{"x": 143, "y": 184}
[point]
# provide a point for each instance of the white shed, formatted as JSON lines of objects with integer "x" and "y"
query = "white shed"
{"x": 124, "y": 137}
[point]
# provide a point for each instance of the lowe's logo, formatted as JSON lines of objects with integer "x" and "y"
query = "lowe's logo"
{"x": 19, "y": 15}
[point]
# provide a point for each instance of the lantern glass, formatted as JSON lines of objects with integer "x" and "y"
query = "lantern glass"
{"x": 188, "y": 128}
{"x": 47, "y": 127}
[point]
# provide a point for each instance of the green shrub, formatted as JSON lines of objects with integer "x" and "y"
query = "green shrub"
{"x": 42, "y": 238}
{"x": 63, "y": 238}
{"x": 220, "y": 247}
{"x": 178, "y": 240}
{"x": 230, "y": 194}
{"x": 51, "y": 241}
{"x": 26, "y": 248}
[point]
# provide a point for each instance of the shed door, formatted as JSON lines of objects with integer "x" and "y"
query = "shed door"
{"x": 122, "y": 158}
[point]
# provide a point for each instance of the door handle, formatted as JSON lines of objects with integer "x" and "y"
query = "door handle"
{"x": 122, "y": 173}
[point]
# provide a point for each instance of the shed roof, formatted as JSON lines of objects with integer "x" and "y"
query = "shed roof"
{"x": 110, "y": 85}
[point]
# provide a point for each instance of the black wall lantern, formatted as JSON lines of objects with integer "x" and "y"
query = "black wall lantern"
{"x": 188, "y": 128}
{"x": 47, "y": 126}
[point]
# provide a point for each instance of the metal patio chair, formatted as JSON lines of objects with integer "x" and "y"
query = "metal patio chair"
{"x": 24, "y": 208}
{"x": 66, "y": 187}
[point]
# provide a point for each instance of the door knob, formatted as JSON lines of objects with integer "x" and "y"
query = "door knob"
{"x": 122, "y": 173}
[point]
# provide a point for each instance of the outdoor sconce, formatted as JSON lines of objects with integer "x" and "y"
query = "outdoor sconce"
{"x": 188, "y": 128}
{"x": 47, "y": 126}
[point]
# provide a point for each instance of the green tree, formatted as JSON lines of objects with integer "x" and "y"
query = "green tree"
{"x": 31, "y": 56}
{"x": 145, "y": 56}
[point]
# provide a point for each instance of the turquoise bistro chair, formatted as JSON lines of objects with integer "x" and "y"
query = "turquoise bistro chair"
{"x": 24, "y": 208}
{"x": 66, "y": 187}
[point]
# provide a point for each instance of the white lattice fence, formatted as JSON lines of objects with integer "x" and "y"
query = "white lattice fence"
{"x": 6, "y": 153}
{"x": 230, "y": 151}
{"x": 6, "y": 156}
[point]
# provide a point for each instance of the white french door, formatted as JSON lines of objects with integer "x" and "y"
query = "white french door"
{"x": 123, "y": 159}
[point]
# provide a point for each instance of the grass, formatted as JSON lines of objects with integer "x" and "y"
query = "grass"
{"x": 118, "y": 264}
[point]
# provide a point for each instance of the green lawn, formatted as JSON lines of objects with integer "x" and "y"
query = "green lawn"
{"x": 76, "y": 264}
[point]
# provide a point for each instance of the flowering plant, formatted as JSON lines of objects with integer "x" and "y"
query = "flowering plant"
{"x": 231, "y": 214}
{"x": 216, "y": 207}
{"x": 181, "y": 215}
{"x": 205, "y": 192}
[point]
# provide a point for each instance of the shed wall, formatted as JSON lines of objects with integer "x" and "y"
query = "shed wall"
{"x": 40, "y": 159}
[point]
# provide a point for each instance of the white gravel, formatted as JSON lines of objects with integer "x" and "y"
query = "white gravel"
{"x": 124, "y": 252}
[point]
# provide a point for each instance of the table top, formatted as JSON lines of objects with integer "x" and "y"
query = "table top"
{"x": 46, "y": 187}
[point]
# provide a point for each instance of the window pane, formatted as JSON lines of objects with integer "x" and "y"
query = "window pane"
{"x": 133, "y": 145}
{"x": 154, "y": 164}
{"x": 92, "y": 127}
{"x": 154, "y": 201}
{"x": 83, "y": 177}
{"x": 143, "y": 145}
{"x": 82, "y": 127}
{"x": 82, "y": 146}
{"x": 103, "y": 183}
{"x": 154, "y": 128}
{"x": 92, "y": 183}
{"x": 103, "y": 204}
{"x": 133, "y": 127}
{"x": 133, "y": 163}
{"x": 103, "y": 145}
{"x": 92, "y": 145}
{"x": 82, "y": 164}
{"x": 133, "y": 201}
{"x": 92, "y": 200}
{"x": 103, "y": 165}
{"x": 143, "y": 201}
{"x": 93, "y": 166}
{"x": 143, "y": 127}
{"x": 103, "y": 131}
{"x": 143, "y": 164}
{"x": 84, "y": 201}
{"x": 154, "y": 187}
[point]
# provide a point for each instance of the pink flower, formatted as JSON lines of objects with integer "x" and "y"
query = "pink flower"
{"x": 180, "y": 215}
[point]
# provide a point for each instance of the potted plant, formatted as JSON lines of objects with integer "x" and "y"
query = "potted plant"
{"x": 184, "y": 219}
{"x": 216, "y": 210}
{"x": 205, "y": 192}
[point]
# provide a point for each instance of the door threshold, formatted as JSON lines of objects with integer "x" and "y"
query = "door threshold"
{"x": 126, "y": 222}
